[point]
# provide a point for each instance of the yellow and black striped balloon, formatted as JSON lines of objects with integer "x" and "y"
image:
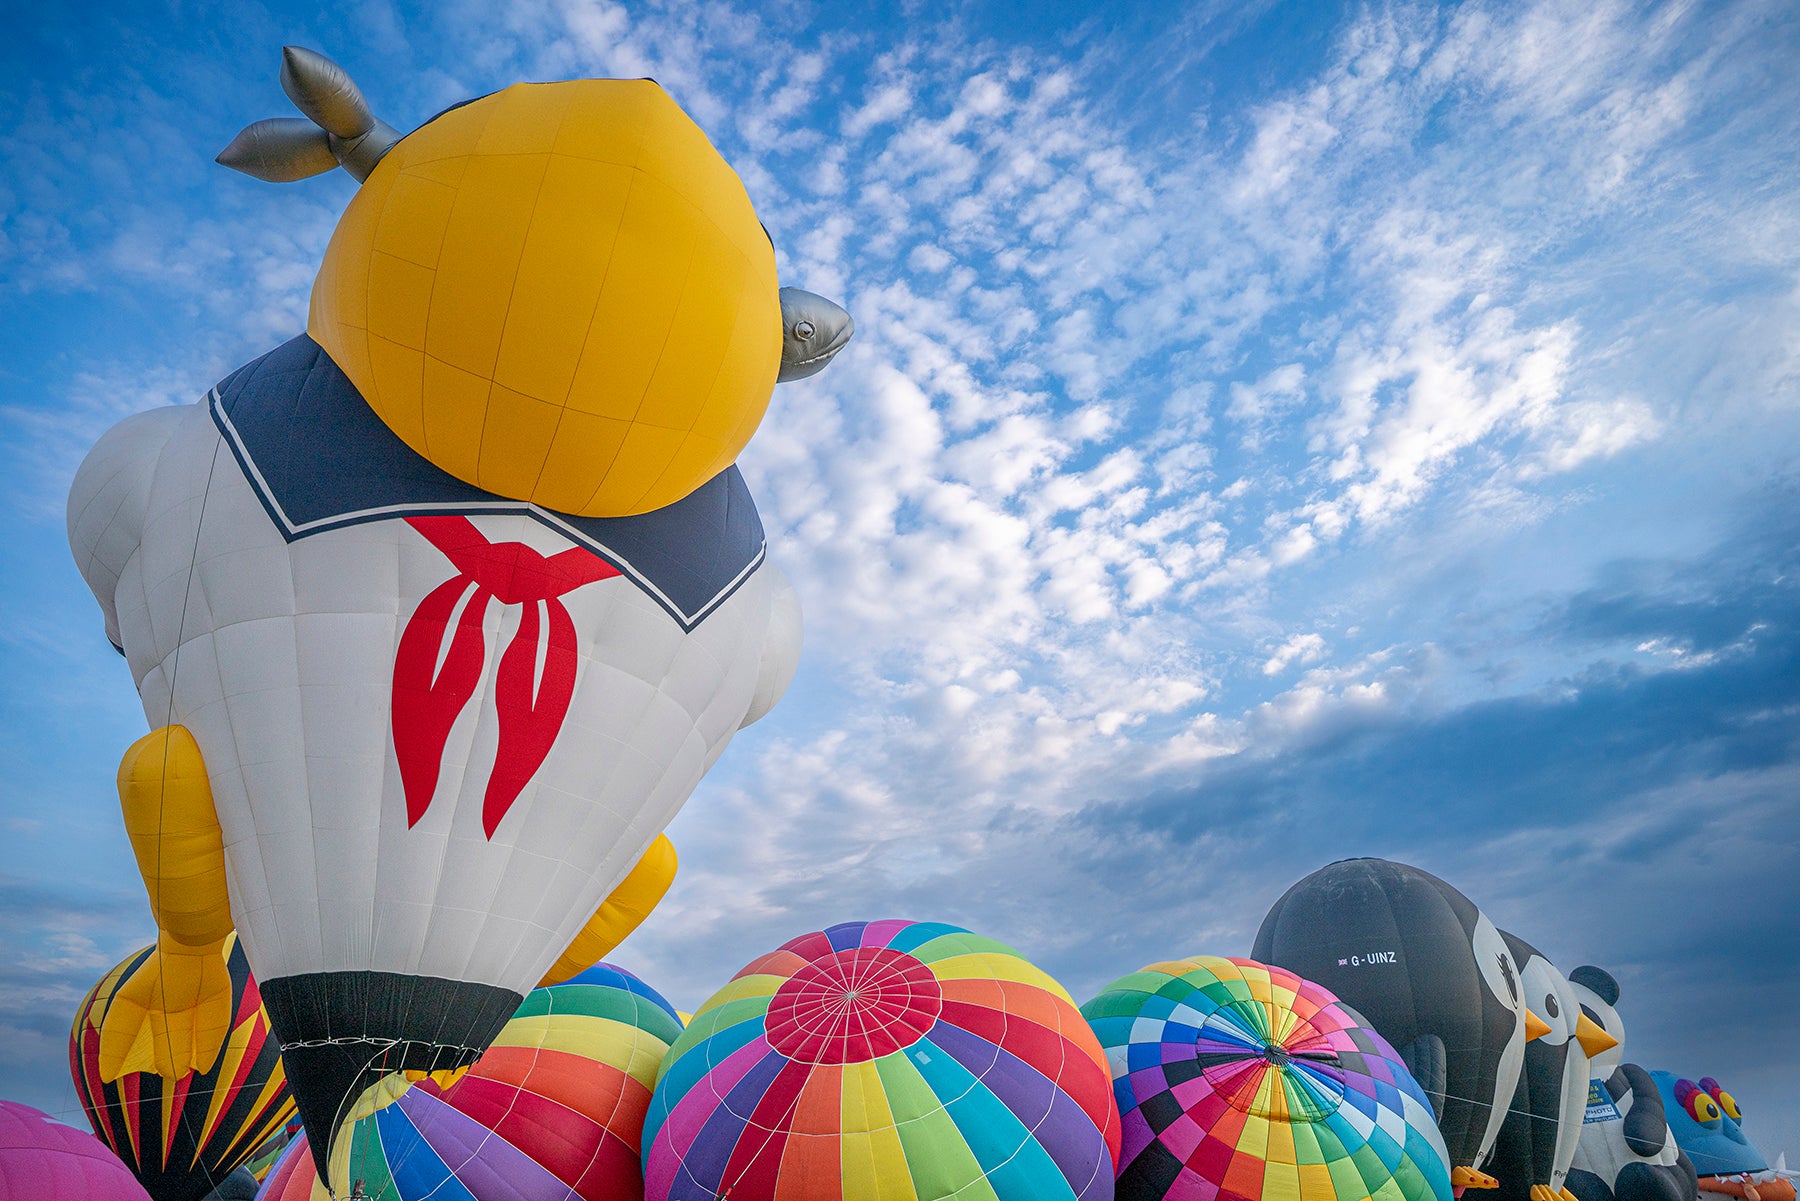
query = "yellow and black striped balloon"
{"x": 181, "y": 1137}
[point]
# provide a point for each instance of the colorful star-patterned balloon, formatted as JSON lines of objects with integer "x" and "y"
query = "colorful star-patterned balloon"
{"x": 1242, "y": 1082}
{"x": 551, "y": 1111}
{"x": 884, "y": 1059}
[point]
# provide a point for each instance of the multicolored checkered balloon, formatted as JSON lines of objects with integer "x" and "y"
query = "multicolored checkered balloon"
{"x": 1237, "y": 1081}
{"x": 884, "y": 1059}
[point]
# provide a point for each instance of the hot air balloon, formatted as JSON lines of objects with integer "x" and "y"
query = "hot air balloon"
{"x": 1430, "y": 972}
{"x": 440, "y": 610}
{"x": 42, "y": 1160}
{"x": 1537, "y": 1140}
{"x": 555, "y": 1108}
{"x": 1708, "y": 1125}
{"x": 884, "y": 1059}
{"x": 1626, "y": 1151}
{"x": 182, "y": 1137}
{"x": 1243, "y": 1082}
{"x": 262, "y": 1160}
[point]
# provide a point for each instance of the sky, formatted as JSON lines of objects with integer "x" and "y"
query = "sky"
{"x": 1274, "y": 433}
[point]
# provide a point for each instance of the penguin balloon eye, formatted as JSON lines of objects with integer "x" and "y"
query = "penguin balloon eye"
{"x": 803, "y": 329}
{"x": 1550, "y": 1005}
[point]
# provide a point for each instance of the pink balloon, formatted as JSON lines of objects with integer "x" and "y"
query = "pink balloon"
{"x": 43, "y": 1160}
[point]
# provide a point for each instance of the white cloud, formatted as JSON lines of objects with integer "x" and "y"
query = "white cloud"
{"x": 1301, "y": 648}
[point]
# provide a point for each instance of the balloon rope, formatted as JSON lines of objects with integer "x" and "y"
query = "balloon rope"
{"x": 1488, "y": 1105}
{"x": 168, "y": 720}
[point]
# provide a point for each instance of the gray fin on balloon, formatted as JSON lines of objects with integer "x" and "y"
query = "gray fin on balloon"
{"x": 280, "y": 150}
{"x": 1426, "y": 1059}
{"x": 325, "y": 92}
{"x": 813, "y": 330}
{"x": 340, "y": 130}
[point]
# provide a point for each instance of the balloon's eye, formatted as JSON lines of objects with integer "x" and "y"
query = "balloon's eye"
{"x": 1701, "y": 1108}
{"x": 1550, "y": 1005}
{"x": 803, "y": 329}
{"x": 1728, "y": 1103}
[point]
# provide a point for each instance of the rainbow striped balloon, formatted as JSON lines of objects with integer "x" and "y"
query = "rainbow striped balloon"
{"x": 892, "y": 1059}
{"x": 1243, "y": 1082}
{"x": 551, "y": 1112}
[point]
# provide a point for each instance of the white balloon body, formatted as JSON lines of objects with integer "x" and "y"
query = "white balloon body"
{"x": 1499, "y": 974}
{"x": 279, "y": 657}
{"x": 1553, "y": 998}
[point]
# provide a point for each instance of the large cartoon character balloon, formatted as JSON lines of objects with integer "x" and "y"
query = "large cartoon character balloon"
{"x": 439, "y": 611}
{"x": 1543, "y": 1127}
{"x": 1431, "y": 973}
{"x": 1626, "y": 1151}
{"x": 1705, "y": 1120}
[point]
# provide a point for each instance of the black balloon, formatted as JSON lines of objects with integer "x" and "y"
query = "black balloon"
{"x": 1422, "y": 964}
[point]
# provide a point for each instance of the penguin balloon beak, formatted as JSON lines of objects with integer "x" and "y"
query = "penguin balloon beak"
{"x": 1535, "y": 1026}
{"x": 1592, "y": 1037}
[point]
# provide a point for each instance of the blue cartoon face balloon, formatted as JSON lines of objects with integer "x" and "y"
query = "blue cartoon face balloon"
{"x": 1704, "y": 1119}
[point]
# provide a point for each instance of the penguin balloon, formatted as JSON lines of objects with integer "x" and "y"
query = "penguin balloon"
{"x": 1538, "y": 1138}
{"x": 1433, "y": 976}
{"x": 1626, "y": 1151}
{"x": 439, "y": 611}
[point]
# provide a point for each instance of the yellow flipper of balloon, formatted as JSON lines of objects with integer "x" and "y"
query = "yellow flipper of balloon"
{"x": 1463, "y": 1177}
{"x": 559, "y": 293}
{"x": 174, "y": 1013}
{"x": 620, "y": 913}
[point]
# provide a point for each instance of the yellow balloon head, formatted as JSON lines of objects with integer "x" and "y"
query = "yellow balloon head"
{"x": 559, "y": 293}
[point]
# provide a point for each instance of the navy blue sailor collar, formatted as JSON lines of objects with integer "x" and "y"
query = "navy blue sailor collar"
{"x": 320, "y": 459}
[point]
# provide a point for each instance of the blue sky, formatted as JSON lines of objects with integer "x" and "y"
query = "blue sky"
{"x": 1274, "y": 433}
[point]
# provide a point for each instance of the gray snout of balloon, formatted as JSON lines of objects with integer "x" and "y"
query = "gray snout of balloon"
{"x": 813, "y": 330}
{"x": 338, "y": 131}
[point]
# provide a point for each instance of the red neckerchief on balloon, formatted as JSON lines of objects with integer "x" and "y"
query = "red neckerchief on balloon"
{"x": 433, "y": 682}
